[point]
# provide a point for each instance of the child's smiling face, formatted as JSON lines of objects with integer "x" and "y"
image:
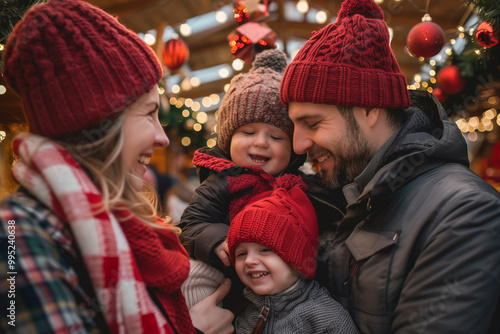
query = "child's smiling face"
{"x": 262, "y": 270}
{"x": 261, "y": 145}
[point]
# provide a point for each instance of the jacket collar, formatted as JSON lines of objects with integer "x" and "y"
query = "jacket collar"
{"x": 279, "y": 301}
{"x": 214, "y": 159}
{"x": 353, "y": 190}
{"x": 426, "y": 138}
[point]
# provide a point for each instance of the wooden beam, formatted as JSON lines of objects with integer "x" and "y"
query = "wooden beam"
{"x": 129, "y": 8}
{"x": 158, "y": 46}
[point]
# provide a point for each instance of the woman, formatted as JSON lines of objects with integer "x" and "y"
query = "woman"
{"x": 86, "y": 251}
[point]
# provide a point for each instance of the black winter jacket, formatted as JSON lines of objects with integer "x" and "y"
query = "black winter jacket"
{"x": 418, "y": 250}
{"x": 226, "y": 187}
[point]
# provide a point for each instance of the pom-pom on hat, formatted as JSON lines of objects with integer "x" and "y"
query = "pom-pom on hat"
{"x": 253, "y": 97}
{"x": 348, "y": 63}
{"x": 283, "y": 220}
{"x": 74, "y": 65}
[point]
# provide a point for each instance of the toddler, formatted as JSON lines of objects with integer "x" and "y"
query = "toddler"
{"x": 254, "y": 147}
{"x": 272, "y": 243}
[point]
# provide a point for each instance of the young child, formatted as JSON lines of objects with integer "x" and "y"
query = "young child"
{"x": 255, "y": 146}
{"x": 272, "y": 243}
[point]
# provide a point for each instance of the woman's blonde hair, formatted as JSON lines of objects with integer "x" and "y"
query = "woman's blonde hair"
{"x": 99, "y": 153}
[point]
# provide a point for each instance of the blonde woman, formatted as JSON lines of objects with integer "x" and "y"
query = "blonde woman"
{"x": 84, "y": 250}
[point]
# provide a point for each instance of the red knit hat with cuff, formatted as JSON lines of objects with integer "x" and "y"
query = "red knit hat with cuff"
{"x": 348, "y": 63}
{"x": 74, "y": 65}
{"x": 283, "y": 220}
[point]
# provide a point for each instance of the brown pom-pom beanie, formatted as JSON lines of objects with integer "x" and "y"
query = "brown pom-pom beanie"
{"x": 253, "y": 97}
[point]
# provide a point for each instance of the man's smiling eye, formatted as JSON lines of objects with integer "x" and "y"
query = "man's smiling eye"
{"x": 312, "y": 125}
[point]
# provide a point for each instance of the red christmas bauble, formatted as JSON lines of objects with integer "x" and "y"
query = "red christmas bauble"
{"x": 439, "y": 94}
{"x": 485, "y": 35}
{"x": 450, "y": 81}
{"x": 425, "y": 39}
{"x": 174, "y": 54}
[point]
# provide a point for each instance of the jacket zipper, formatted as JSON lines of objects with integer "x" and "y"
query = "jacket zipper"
{"x": 289, "y": 165}
{"x": 326, "y": 203}
{"x": 263, "y": 315}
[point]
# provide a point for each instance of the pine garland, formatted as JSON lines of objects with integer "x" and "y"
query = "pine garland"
{"x": 485, "y": 64}
{"x": 480, "y": 66}
{"x": 488, "y": 10}
{"x": 11, "y": 11}
{"x": 173, "y": 121}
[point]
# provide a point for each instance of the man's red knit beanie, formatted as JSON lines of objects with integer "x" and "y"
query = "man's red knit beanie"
{"x": 283, "y": 220}
{"x": 348, "y": 63}
{"x": 74, "y": 65}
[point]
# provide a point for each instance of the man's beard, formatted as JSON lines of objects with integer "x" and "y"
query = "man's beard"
{"x": 351, "y": 158}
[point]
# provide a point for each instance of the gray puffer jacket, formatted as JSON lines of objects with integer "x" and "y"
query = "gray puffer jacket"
{"x": 418, "y": 250}
{"x": 306, "y": 308}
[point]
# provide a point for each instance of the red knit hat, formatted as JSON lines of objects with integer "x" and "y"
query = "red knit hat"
{"x": 74, "y": 65}
{"x": 283, "y": 220}
{"x": 348, "y": 63}
{"x": 253, "y": 97}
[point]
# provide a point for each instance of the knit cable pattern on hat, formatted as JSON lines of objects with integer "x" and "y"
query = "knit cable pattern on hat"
{"x": 74, "y": 65}
{"x": 253, "y": 97}
{"x": 348, "y": 63}
{"x": 283, "y": 220}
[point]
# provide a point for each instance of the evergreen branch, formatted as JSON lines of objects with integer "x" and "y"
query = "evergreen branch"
{"x": 11, "y": 12}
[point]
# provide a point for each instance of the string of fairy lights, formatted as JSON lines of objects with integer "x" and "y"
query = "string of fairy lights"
{"x": 199, "y": 113}
{"x": 193, "y": 111}
{"x": 470, "y": 126}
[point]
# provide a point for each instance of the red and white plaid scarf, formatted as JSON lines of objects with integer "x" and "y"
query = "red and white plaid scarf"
{"x": 55, "y": 178}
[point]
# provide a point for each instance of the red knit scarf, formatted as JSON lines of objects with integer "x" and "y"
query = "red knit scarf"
{"x": 123, "y": 258}
{"x": 164, "y": 266}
